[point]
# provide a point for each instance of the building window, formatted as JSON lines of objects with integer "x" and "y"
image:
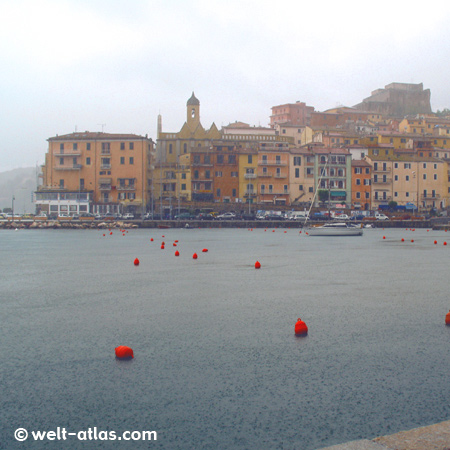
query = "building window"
{"x": 407, "y": 194}
{"x": 81, "y": 183}
{"x": 218, "y": 174}
{"x": 207, "y": 159}
{"x": 122, "y": 146}
{"x": 131, "y": 145}
{"x": 122, "y": 160}
{"x": 249, "y": 159}
{"x": 395, "y": 177}
{"x": 88, "y": 161}
{"x": 358, "y": 195}
{"x": 435, "y": 176}
{"x": 297, "y": 172}
{"x": 184, "y": 148}
{"x": 358, "y": 182}
{"x": 234, "y": 175}
{"x": 424, "y": 165}
{"x": 88, "y": 146}
{"x": 407, "y": 166}
{"x": 61, "y": 184}
{"x": 357, "y": 170}
{"x": 297, "y": 161}
{"x": 407, "y": 177}
{"x": 131, "y": 160}
{"x": 234, "y": 193}
{"x": 310, "y": 189}
{"x": 195, "y": 174}
{"x": 218, "y": 192}
{"x": 207, "y": 174}
{"x": 424, "y": 176}
{"x": 219, "y": 159}
{"x": 231, "y": 159}
{"x": 183, "y": 176}
{"x": 61, "y": 161}
{"x": 170, "y": 148}
{"x": 75, "y": 146}
{"x": 61, "y": 146}
{"x": 183, "y": 187}
{"x": 131, "y": 195}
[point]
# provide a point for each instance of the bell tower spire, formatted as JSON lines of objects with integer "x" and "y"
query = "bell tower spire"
{"x": 193, "y": 112}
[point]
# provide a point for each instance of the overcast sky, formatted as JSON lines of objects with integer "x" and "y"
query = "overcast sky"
{"x": 70, "y": 65}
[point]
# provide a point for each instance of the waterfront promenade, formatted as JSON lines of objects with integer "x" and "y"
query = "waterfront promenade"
{"x": 432, "y": 437}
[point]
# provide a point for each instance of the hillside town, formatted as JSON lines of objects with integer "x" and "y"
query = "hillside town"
{"x": 389, "y": 151}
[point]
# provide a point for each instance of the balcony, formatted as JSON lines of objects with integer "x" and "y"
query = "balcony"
{"x": 264, "y": 175}
{"x": 249, "y": 176}
{"x": 72, "y": 167}
{"x": 105, "y": 187}
{"x": 386, "y": 170}
{"x": 105, "y": 166}
{"x": 69, "y": 153}
{"x": 430, "y": 197}
{"x": 386, "y": 181}
{"x": 272, "y": 163}
{"x": 279, "y": 175}
{"x": 130, "y": 187}
{"x": 105, "y": 152}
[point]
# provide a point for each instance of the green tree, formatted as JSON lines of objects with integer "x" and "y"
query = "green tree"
{"x": 323, "y": 195}
{"x": 392, "y": 205}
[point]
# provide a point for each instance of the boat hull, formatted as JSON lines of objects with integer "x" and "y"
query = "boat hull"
{"x": 334, "y": 231}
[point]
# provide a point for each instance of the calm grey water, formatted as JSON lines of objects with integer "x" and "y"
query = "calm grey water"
{"x": 216, "y": 362}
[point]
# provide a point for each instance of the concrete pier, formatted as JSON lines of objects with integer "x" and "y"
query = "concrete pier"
{"x": 432, "y": 437}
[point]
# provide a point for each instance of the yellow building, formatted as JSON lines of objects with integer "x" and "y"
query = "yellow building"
{"x": 96, "y": 172}
{"x": 248, "y": 173}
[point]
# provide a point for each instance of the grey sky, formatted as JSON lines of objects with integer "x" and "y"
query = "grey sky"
{"x": 78, "y": 64}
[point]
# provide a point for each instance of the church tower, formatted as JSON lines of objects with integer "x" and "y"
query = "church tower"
{"x": 193, "y": 112}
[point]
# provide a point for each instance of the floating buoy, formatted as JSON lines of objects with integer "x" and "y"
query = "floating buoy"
{"x": 204, "y": 250}
{"x": 194, "y": 256}
{"x": 174, "y": 244}
{"x": 136, "y": 262}
{"x": 151, "y": 240}
{"x": 177, "y": 253}
{"x": 176, "y": 240}
{"x": 110, "y": 233}
{"x": 447, "y": 318}
{"x": 104, "y": 234}
{"x": 162, "y": 247}
{"x": 435, "y": 242}
{"x": 257, "y": 265}
{"x": 163, "y": 243}
{"x": 412, "y": 240}
{"x": 124, "y": 352}
{"x": 403, "y": 240}
{"x": 384, "y": 237}
{"x": 445, "y": 243}
{"x": 300, "y": 328}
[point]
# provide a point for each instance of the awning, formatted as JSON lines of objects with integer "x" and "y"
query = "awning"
{"x": 338, "y": 194}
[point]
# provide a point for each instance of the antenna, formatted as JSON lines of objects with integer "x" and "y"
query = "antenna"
{"x": 103, "y": 125}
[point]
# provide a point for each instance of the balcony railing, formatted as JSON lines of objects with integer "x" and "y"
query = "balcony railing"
{"x": 430, "y": 196}
{"x": 105, "y": 166}
{"x": 385, "y": 170}
{"x": 264, "y": 175}
{"x": 73, "y": 167}
{"x": 105, "y": 187}
{"x": 272, "y": 163}
{"x": 70, "y": 153}
{"x": 130, "y": 187}
{"x": 381, "y": 181}
{"x": 279, "y": 175}
{"x": 249, "y": 176}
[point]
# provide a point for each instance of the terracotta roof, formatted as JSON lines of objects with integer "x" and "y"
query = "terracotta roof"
{"x": 360, "y": 163}
{"x": 91, "y": 136}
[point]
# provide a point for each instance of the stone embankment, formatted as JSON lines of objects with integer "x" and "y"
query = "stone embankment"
{"x": 55, "y": 224}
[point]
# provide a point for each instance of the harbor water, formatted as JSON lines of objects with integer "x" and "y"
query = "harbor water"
{"x": 217, "y": 364}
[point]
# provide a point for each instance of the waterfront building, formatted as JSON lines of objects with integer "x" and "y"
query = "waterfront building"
{"x": 301, "y": 177}
{"x": 361, "y": 184}
{"x": 248, "y": 173}
{"x": 273, "y": 173}
{"x": 96, "y": 172}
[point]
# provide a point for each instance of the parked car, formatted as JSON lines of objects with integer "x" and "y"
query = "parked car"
{"x": 341, "y": 217}
{"x": 184, "y": 216}
{"x": 109, "y": 216}
{"x": 226, "y": 216}
{"x": 379, "y": 216}
{"x": 128, "y": 216}
{"x": 205, "y": 216}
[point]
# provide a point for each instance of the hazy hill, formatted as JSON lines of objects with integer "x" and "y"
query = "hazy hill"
{"x": 20, "y": 183}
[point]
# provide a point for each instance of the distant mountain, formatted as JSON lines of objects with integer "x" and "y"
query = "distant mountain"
{"x": 20, "y": 183}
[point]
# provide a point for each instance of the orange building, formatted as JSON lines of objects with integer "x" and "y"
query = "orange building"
{"x": 361, "y": 184}
{"x": 96, "y": 172}
{"x": 291, "y": 113}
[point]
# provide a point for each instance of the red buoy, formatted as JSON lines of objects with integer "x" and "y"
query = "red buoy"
{"x": 447, "y": 319}
{"x": 162, "y": 247}
{"x": 435, "y": 242}
{"x": 177, "y": 253}
{"x": 151, "y": 240}
{"x": 445, "y": 243}
{"x": 403, "y": 240}
{"x": 124, "y": 352}
{"x": 300, "y": 328}
{"x": 257, "y": 265}
{"x": 194, "y": 256}
{"x": 136, "y": 262}
{"x": 204, "y": 250}
{"x": 174, "y": 244}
